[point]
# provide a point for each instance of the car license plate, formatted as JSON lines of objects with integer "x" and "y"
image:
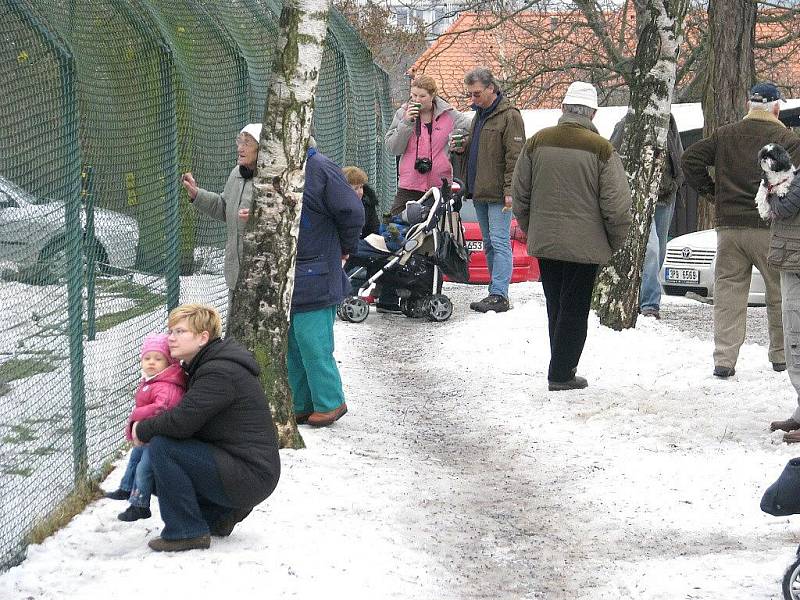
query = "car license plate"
{"x": 682, "y": 275}
{"x": 475, "y": 245}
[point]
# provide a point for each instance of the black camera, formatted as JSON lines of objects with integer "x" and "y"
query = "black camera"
{"x": 423, "y": 165}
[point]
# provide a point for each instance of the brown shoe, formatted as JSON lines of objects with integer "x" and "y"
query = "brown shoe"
{"x": 301, "y": 418}
{"x": 792, "y": 438}
{"x": 318, "y": 419}
{"x": 788, "y": 425}
{"x": 159, "y": 544}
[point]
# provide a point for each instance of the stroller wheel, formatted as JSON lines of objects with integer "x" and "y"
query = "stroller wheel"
{"x": 791, "y": 581}
{"x": 354, "y": 309}
{"x": 439, "y": 308}
{"x": 412, "y": 308}
{"x": 339, "y": 313}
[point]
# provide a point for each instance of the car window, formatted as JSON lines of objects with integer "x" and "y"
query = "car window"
{"x": 468, "y": 212}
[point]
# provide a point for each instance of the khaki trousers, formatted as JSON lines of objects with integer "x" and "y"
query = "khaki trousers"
{"x": 790, "y": 289}
{"x": 738, "y": 249}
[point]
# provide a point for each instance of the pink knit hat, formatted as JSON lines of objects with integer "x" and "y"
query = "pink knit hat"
{"x": 157, "y": 342}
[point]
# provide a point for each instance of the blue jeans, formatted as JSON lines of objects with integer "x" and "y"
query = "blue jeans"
{"x": 190, "y": 492}
{"x": 495, "y": 226}
{"x": 138, "y": 477}
{"x": 650, "y": 292}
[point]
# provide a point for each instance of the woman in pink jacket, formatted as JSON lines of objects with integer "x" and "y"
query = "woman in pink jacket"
{"x": 162, "y": 387}
{"x": 420, "y": 136}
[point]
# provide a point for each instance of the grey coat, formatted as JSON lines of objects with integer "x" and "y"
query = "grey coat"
{"x": 784, "y": 241}
{"x": 238, "y": 193}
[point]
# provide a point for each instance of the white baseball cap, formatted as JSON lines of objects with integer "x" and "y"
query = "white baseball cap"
{"x": 253, "y": 130}
{"x": 580, "y": 92}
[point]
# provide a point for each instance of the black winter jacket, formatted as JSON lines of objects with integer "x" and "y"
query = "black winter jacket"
{"x": 371, "y": 221}
{"x": 225, "y": 407}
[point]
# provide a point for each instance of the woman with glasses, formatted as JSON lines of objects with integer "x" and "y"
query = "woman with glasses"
{"x": 420, "y": 135}
{"x": 215, "y": 455}
{"x": 233, "y": 205}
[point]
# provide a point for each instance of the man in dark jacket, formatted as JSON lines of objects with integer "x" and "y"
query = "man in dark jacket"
{"x": 330, "y": 226}
{"x": 215, "y": 455}
{"x": 495, "y": 139}
{"x": 571, "y": 197}
{"x": 671, "y": 182}
{"x": 742, "y": 236}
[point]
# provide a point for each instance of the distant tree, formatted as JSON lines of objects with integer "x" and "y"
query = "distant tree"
{"x": 263, "y": 294}
{"x": 393, "y": 47}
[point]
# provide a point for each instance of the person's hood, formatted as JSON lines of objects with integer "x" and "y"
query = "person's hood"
{"x": 224, "y": 349}
{"x": 440, "y": 107}
{"x": 370, "y": 198}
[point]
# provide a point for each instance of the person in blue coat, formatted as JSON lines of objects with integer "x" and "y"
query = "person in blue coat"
{"x": 330, "y": 226}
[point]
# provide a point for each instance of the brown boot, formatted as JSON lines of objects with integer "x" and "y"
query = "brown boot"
{"x": 196, "y": 543}
{"x": 321, "y": 419}
{"x": 788, "y": 425}
{"x": 792, "y": 438}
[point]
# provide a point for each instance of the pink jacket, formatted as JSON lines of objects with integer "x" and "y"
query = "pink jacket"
{"x": 401, "y": 140}
{"x": 157, "y": 395}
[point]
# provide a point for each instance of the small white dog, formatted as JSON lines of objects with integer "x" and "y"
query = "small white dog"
{"x": 778, "y": 175}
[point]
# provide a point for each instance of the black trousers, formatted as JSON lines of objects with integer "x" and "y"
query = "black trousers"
{"x": 568, "y": 291}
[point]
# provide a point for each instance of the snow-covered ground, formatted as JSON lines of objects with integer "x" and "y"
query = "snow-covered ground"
{"x": 457, "y": 475}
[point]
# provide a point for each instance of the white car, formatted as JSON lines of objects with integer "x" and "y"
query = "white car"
{"x": 689, "y": 267}
{"x": 32, "y": 232}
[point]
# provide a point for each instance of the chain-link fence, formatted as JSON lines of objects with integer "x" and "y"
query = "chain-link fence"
{"x": 104, "y": 104}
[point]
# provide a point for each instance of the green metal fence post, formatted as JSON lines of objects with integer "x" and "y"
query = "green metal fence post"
{"x": 90, "y": 247}
{"x": 171, "y": 182}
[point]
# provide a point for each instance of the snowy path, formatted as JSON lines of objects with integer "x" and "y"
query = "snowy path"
{"x": 456, "y": 475}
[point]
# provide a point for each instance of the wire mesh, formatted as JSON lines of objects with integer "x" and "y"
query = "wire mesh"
{"x": 105, "y": 104}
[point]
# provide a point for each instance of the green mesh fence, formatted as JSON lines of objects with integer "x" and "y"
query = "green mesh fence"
{"x": 104, "y": 105}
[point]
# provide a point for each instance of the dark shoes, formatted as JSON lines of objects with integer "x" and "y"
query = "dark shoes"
{"x": 650, "y": 312}
{"x": 321, "y": 419}
{"x": 576, "y": 383}
{"x": 494, "y": 302}
{"x": 134, "y": 513}
{"x": 202, "y": 542}
{"x": 781, "y": 366}
{"x": 301, "y": 417}
{"x": 224, "y": 527}
{"x": 788, "y": 425}
{"x": 119, "y": 494}
{"x": 724, "y": 372}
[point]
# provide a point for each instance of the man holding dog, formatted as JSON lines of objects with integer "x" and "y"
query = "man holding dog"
{"x": 742, "y": 236}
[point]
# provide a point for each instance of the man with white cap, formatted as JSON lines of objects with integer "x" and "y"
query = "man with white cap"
{"x": 571, "y": 196}
{"x": 233, "y": 205}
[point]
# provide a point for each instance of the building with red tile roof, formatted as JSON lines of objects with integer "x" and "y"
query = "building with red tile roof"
{"x": 538, "y": 54}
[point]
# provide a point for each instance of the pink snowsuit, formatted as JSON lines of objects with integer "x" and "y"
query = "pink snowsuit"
{"x": 157, "y": 395}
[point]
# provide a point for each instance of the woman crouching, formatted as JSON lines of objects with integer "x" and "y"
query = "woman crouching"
{"x": 215, "y": 455}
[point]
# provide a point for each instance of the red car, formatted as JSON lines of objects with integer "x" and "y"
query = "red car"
{"x": 526, "y": 268}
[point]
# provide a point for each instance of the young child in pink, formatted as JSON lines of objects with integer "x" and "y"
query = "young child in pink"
{"x": 162, "y": 387}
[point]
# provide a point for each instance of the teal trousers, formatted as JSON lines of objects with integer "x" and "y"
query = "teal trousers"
{"x": 313, "y": 374}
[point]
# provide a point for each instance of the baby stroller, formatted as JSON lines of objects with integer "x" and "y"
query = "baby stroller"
{"x": 415, "y": 269}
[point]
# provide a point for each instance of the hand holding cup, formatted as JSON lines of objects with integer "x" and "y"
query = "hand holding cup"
{"x": 412, "y": 112}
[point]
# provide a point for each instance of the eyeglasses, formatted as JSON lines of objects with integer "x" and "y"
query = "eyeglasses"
{"x": 476, "y": 94}
{"x": 178, "y": 332}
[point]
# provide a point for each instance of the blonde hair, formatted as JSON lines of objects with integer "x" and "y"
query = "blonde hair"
{"x": 426, "y": 82}
{"x": 199, "y": 318}
{"x": 355, "y": 176}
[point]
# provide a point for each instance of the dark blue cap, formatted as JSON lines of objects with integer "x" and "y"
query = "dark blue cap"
{"x": 765, "y": 92}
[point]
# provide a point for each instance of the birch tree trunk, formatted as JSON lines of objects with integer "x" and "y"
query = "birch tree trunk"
{"x": 616, "y": 292}
{"x": 263, "y": 294}
{"x": 729, "y": 75}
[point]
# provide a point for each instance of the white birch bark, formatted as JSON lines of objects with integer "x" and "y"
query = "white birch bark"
{"x": 262, "y": 298}
{"x": 616, "y": 293}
